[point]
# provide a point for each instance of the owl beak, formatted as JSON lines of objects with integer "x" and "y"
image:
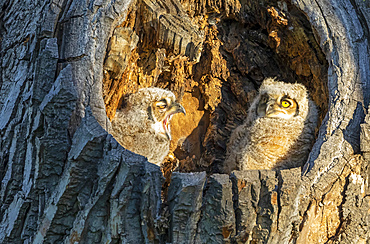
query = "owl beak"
{"x": 270, "y": 110}
{"x": 175, "y": 108}
{"x": 178, "y": 108}
{"x": 273, "y": 111}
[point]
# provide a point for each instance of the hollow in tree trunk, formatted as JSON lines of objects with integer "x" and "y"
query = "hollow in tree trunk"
{"x": 65, "y": 66}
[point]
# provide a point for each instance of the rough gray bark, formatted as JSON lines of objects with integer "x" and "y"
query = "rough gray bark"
{"x": 64, "y": 179}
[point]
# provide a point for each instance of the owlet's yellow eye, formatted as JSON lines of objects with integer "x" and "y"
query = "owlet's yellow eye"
{"x": 162, "y": 106}
{"x": 285, "y": 104}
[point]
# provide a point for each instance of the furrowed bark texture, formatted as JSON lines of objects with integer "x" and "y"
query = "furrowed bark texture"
{"x": 65, "y": 66}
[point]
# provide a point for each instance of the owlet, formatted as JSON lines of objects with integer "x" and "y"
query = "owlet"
{"x": 143, "y": 124}
{"x": 279, "y": 130}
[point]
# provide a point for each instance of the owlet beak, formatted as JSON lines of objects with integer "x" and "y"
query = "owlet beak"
{"x": 274, "y": 111}
{"x": 175, "y": 108}
{"x": 178, "y": 108}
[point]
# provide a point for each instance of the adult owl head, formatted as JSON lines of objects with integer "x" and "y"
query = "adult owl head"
{"x": 142, "y": 125}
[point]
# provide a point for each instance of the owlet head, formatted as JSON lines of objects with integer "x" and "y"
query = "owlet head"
{"x": 162, "y": 111}
{"x": 278, "y": 99}
{"x": 277, "y": 106}
{"x": 156, "y": 107}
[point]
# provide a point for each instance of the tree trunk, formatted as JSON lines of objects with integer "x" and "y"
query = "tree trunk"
{"x": 65, "y": 66}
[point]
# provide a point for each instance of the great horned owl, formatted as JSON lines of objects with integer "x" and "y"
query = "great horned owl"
{"x": 143, "y": 124}
{"x": 278, "y": 132}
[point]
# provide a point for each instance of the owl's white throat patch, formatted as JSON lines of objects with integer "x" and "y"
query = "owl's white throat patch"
{"x": 163, "y": 127}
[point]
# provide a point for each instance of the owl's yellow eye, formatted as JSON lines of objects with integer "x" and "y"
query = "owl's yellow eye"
{"x": 162, "y": 104}
{"x": 285, "y": 104}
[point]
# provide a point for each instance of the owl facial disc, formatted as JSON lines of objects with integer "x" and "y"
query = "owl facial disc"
{"x": 165, "y": 110}
{"x": 277, "y": 106}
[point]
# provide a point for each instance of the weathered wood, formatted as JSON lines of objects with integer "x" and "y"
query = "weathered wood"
{"x": 217, "y": 224}
{"x": 185, "y": 200}
{"x": 256, "y": 206}
{"x": 65, "y": 65}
